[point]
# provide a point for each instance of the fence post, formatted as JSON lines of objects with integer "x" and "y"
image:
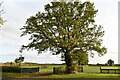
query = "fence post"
{"x": 115, "y": 71}
{"x": 81, "y": 69}
{"x": 100, "y": 70}
{"x": 38, "y": 69}
{"x": 54, "y": 70}
{"x": 21, "y": 69}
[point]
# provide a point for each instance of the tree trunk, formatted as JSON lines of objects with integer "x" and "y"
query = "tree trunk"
{"x": 19, "y": 64}
{"x": 71, "y": 64}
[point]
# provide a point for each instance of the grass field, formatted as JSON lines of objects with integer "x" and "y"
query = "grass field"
{"x": 48, "y": 69}
{"x": 89, "y": 72}
{"x": 80, "y": 75}
{"x": 85, "y": 75}
{"x": 18, "y": 75}
{"x": 107, "y": 67}
{"x": 91, "y": 69}
{"x": 96, "y": 69}
{"x": 86, "y": 69}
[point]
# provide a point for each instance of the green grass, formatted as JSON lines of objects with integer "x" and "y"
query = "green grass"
{"x": 91, "y": 69}
{"x": 49, "y": 69}
{"x": 89, "y": 72}
{"x": 110, "y": 71}
{"x": 80, "y": 75}
{"x": 41, "y": 69}
{"x": 87, "y": 69}
{"x": 19, "y": 75}
{"x": 113, "y": 67}
{"x": 84, "y": 75}
{"x": 46, "y": 70}
{"x": 29, "y": 66}
{"x": 96, "y": 69}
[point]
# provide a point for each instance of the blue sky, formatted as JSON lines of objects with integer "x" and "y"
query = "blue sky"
{"x": 17, "y": 12}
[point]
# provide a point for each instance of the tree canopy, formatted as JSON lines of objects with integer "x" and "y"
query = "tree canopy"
{"x": 64, "y": 27}
{"x": 110, "y": 62}
{"x": 1, "y": 12}
{"x": 82, "y": 57}
{"x": 19, "y": 60}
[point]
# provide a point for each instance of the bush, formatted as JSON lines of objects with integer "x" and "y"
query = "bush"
{"x": 58, "y": 70}
{"x": 30, "y": 70}
{"x": 11, "y": 69}
{"x": 80, "y": 69}
{"x": 110, "y": 62}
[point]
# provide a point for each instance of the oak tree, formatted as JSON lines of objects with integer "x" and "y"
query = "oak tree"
{"x": 64, "y": 27}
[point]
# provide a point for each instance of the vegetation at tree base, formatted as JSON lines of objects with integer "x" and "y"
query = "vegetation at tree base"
{"x": 82, "y": 57}
{"x": 63, "y": 28}
{"x": 58, "y": 70}
{"x": 110, "y": 62}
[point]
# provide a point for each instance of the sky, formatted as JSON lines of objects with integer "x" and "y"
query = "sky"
{"x": 17, "y": 12}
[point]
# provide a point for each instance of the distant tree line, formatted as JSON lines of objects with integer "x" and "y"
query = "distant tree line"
{"x": 17, "y": 64}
